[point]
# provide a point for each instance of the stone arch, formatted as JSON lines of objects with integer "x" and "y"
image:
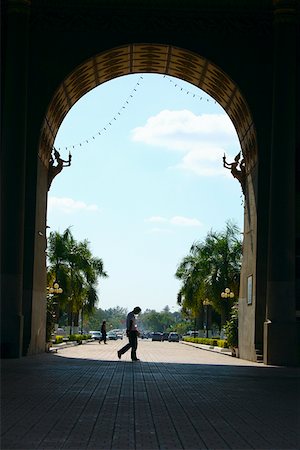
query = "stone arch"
{"x": 204, "y": 74}
{"x": 151, "y": 58}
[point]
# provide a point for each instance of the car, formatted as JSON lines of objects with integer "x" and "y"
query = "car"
{"x": 165, "y": 336}
{"x": 61, "y": 332}
{"x": 144, "y": 335}
{"x": 173, "y": 337}
{"x": 96, "y": 335}
{"x": 119, "y": 333}
{"x": 157, "y": 336}
{"x": 112, "y": 335}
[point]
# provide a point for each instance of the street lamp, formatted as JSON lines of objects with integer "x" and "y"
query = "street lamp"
{"x": 205, "y": 303}
{"x": 227, "y": 293}
{"x": 55, "y": 289}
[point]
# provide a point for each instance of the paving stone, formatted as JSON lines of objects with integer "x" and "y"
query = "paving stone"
{"x": 176, "y": 397}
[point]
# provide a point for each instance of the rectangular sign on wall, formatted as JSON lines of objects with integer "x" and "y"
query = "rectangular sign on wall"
{"x": 249, "y": 290}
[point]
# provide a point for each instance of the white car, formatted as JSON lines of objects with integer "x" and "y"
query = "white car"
{"x": 96, "y": 335}
{"x": 112, "y": 335}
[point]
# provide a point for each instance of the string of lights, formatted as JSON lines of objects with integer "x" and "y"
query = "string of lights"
{"x": 125, "y": 105}
{"x": 188, "y": 92}
{"x": 107, "y": 126}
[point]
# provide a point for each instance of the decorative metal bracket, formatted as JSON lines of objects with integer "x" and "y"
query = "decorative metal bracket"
{"x": 56, "y": 169}
{"x": 238, "y": 170}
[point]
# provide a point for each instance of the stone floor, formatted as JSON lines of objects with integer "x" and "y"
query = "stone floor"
{"x": 176, "y": 397}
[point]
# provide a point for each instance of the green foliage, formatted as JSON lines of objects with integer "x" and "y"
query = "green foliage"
{"x": 152, "y": 320}
{"x": 77, "y": 271}
{"x": 209, "y": 268}
{"x": 50, "y": 318}
{"x": 208, "y": 341}
{"x": 231, "y": 327}
{"x": 222, "y": 343}
{"x": 197, "y": 340}
{"x": 77, "y": 337}
{"x": 115, "y": 318}
{"x": 182, "y": 327}
{"x": 149, "y": 320}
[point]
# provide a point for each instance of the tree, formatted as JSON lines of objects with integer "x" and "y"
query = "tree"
{"x": 152, "y": 320}
{"x": 77, "y": 271}
{"x": 115, "y": 318}
{"x": 210, "y": 267}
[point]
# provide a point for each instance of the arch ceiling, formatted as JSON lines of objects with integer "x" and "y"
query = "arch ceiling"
{"x": 150, "y": 58}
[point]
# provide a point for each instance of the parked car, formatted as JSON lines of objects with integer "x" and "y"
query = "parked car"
{"x": 112, "y": 335}
{"x": 173, "y": 337}
{"x": 60, "y": 332}
{"x": 119, "y": 333}
{"x": 165, "y": 336}
{"x": 157, "y": 336}
{"x": 96, "y": 335}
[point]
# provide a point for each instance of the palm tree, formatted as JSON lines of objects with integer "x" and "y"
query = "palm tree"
{"x": 210, "y": 267}
{"x": 77, "y": 270}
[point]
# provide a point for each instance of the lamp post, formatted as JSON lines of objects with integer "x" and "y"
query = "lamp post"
{"x": 54, "y": 290}
{"x": 205, "y": 303}
{"x": 227, "y": 293}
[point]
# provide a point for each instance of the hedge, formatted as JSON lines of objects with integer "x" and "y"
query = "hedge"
{"x": 78, "y": 337}
{"x": 207, "y": 341}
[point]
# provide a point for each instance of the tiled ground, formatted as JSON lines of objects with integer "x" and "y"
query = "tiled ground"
{"x": 176, "y": 397}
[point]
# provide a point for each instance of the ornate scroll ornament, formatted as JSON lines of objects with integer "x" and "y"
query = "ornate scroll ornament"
{"x": 238, "y": 170}
{"x": 54, "y": 170}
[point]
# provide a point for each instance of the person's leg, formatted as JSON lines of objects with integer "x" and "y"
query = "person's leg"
{"x": 133, "y": 339}
{"x": 124, "y": 349}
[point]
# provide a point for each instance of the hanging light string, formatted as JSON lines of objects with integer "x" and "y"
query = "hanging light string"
{"x": 189, "y": 92}
{"x": 106, "y": 127}
{"x": 129, "y": 99}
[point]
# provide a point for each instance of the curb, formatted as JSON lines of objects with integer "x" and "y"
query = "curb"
{"x": 63, "y": 345}
{"x": 209, "y": 348}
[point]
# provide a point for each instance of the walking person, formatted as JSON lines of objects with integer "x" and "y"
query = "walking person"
{"x": 132, "y": 334}
{"x": 103, "y": 332}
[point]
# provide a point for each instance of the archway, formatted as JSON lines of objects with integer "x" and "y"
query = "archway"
{"x": 151, "y": 58}
{"x": 190, "y": 67}
{"x": 254, "y": 44}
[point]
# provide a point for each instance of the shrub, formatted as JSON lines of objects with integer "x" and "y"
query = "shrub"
{"x": 58, "y": 339}
{"x": 222, "y": 343}
{"x": 207, "y": 341}
{"x": 231, "y": 327}
{"x": 85, "y": 336}
{"x": 75, "y": 337}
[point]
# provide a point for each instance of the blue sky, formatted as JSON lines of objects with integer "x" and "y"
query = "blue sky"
{"x": 146, "y": 181}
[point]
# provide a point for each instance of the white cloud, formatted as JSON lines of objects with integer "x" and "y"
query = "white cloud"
{"x": 68, "y": 205}
{"x": 185, "y": 221}
{"x": 156, "y": 219}
{"x": 203, "y": 162}
{"x": 176, "y": 220}
{"x": 203, "y": 139}
{"x": 183, "y": 130}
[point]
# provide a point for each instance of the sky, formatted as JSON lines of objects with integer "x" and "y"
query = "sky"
{"x": 146, "y": 181}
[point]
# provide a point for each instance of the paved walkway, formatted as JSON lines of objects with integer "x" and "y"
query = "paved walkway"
{"x": 176, "y": 397}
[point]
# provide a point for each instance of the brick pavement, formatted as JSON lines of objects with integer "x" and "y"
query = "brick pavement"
{"x": 176, "y": 397}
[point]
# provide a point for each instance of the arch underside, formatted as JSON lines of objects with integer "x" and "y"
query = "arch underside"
{"x": 150, "y": 58}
